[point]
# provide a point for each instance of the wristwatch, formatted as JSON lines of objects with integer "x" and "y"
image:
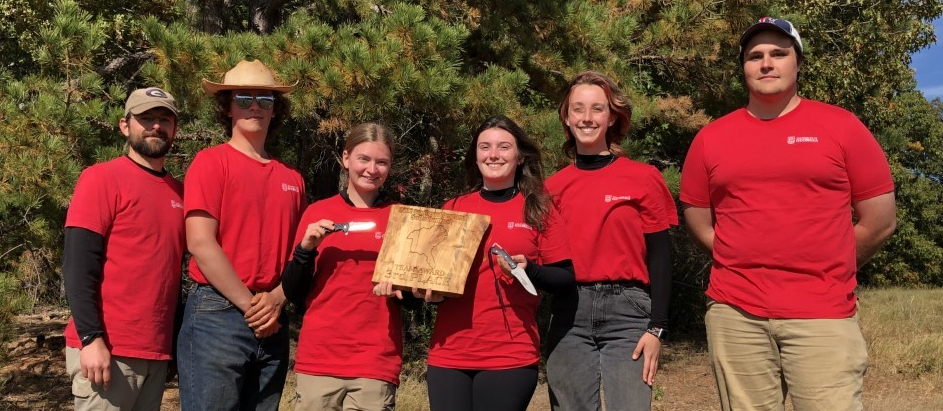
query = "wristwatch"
{"x": 88, "y": 338}
{"x": 659, "y": 332}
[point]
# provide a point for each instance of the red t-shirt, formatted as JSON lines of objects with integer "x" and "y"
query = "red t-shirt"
{"x": 608, "y": 212}
{"x": 493, "y": 325}
{"x": 257, "y": 205}
{"x": 140, "y": 217}
{"x": 348, "y": 332}
{"x": 781, "y": 190}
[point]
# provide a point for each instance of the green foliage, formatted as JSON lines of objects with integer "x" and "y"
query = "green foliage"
{"x": 859, "y": 50}
{"x": 912, "y": 136}
{"x": 913, "y": 255}
{"x": 401, "y": 67}
{"x": 23, "y": 22}
{"x": 432, "y": 70}
{"x": 54, "y": 123}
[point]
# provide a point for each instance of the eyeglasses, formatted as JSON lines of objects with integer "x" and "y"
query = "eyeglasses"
{"x": 245, "y": 101}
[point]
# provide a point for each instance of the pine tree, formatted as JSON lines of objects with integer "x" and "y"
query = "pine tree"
{"x": 432, "y": 70}
{"x": 53, "y": 119}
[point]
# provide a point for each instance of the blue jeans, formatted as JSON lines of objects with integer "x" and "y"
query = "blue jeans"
{"x": 222, "y": 365}
{"x": 593, "y": 331}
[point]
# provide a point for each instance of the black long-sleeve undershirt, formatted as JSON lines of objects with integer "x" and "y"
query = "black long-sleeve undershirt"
{"x": 554, "y": 278}
{"x": 658, "y": 259}
{"x": 298, "y": 275}
{"x": 83, "y": 261}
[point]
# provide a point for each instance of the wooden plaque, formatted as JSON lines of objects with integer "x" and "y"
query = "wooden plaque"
{"x": 429, "y": 248}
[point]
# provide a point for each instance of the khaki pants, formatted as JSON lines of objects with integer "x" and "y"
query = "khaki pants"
{"x": 317, "y": 393}
{"x": 136, "y": 384}
{"x": 820, "y": 362}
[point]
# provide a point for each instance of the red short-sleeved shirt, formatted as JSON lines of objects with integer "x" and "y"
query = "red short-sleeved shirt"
{"x": 493, "y": 325}
{"x": 781, "y": 190}
{"x": 608, "y": 212}
{"x": 258, "y": 206}
{"x": 348, "y": 332}
{"x": 140, "y": 216}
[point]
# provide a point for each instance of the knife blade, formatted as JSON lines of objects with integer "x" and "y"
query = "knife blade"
{"x": 516, "y": 271}
{"x": 354, "y": 226}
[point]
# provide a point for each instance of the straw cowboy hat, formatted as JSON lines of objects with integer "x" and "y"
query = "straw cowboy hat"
{"x": 247, "y": 75}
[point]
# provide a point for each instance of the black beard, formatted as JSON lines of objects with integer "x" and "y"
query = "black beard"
{"x": 156, "y": 150}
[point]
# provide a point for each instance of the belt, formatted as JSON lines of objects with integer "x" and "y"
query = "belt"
{"x": 616, "y": 286}
{"x": 201, "y": 285}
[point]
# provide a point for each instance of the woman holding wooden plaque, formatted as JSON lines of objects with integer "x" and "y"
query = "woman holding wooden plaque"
{"x": 608, "y": 329}
{"x": 350, "y": 346}
{"x": 485, "y": 346}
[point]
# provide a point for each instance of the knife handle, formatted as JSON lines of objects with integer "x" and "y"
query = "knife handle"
{"x": 340, "y": 227}
{"x": 498, "y": 251}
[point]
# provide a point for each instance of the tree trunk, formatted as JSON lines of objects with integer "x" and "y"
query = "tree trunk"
{"x": 211, "y": 16}
{"x": 428, "y": 170}
{"x": 264, "y": 15}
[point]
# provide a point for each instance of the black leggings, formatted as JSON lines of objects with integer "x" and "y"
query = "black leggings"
{"x": 481, "y": 390}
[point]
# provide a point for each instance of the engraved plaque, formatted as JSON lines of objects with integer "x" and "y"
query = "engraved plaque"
{"x": 429, "y": 248}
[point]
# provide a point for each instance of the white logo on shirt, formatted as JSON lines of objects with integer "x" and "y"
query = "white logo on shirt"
{"x": 174, "y": 204}
{"x": 289, "y": 187}
{"x": 378, "y": 235}
{"x": 611, "y": 198}
{"x": 513, "y": 225}
{"x": 794, "y": 140}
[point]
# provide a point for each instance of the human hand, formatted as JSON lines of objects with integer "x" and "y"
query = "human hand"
{"x": 95, "y": 361}
{"x": 265, "y": 309}
{"x": 428, "y": 295}
{"x": 315, "y": 233}
{"x": 648, "y": 346}
{"x": 506, "y": 268}
{"x": 385, "y": 289}
{"x": 267, "y": 331}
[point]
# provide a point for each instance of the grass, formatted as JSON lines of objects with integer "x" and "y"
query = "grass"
{"x": 904, "y": 332}
{"x": 412, "y": 395}
{"x": 903, "y": 329}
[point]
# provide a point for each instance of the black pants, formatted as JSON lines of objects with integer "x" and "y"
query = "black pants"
{"x": 481, "y": 390}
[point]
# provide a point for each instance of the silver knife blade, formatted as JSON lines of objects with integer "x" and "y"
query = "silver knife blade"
{"x": 354, "y": 226}
{"x": 521, "y": 276}
{"x": 516, "y": 271}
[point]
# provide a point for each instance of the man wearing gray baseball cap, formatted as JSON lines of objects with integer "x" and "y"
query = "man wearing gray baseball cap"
{"x": 768, "y": 190}
{"x": 144, "y": 99}
{"x": 124, "y": 241}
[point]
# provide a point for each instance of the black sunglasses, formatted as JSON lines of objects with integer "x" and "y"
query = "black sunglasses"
{"x": 245, "y": 101}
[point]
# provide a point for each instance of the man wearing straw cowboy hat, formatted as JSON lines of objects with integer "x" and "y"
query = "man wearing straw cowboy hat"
{"x": 241, "y": 208}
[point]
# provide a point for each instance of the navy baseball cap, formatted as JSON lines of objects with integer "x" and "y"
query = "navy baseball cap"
{"x": 773, "y": 24}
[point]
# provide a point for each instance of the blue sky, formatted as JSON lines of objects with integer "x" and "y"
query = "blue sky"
{"x": 929, "y": 65}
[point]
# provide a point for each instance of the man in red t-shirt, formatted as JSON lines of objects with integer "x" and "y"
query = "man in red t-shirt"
{"x": 242, "y": 207}
{"x": 768, "y": 189}
{"x": 124, "y": 241}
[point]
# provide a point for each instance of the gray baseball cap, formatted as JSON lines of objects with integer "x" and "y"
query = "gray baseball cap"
{"x": 144, "y": 99}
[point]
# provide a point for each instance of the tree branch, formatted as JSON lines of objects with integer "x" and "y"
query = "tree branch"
{"x": 121, "y": 63}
